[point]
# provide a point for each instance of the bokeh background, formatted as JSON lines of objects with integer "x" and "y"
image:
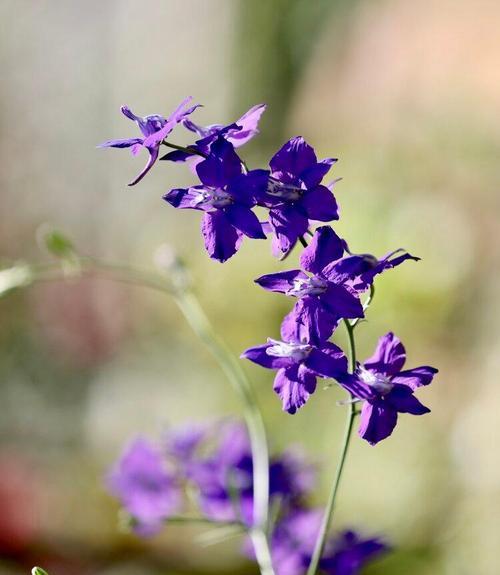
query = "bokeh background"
{"x": 407, "y": 95}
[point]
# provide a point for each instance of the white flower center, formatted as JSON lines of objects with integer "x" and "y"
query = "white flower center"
{"x": 216, "y": 198}
{"x": 380, "y": 382}
{"x": 308, "y": 286}
{"x": 297, "y": 351}
{"x": 285, "y": 191}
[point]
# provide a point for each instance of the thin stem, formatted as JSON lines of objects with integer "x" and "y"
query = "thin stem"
{"x": 303, "y": 241}
{"x": 195, "y": 316}
{"x": 328, "y": 515}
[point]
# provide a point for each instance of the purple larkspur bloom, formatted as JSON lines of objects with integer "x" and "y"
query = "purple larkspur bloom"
{"x": 293, "y": 541}
{"x": 321, "y": 301}
{"x": 295, "y": 194}
{"x": 237, "y": 134}
{"x": 386, "y": 389}
{"x": 224, "y": 477}
{"x": 226, "y": 197}
{"x": 145, "y": 487}
{"x": 154, "y": 129}
{"x": 299, "y": 362}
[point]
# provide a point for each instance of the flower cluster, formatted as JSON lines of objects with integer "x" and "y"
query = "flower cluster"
{"x": 215, "y": 463}
{"x": 331, "y": 281}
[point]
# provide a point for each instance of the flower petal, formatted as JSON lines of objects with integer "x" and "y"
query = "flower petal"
{"x": 280, "y": 282}
{"x": 389, "y": 356}
{"x": 320, "y": 204}
{"x": 222, "y": 240}
{"x": 401, "y": 398}
{"x": 377, "y": 422}
{"x": 294, "y": 394}
{"x": 416, "y": 377}
{"x": 339, "y": 301}
{"x": 127, "y": 143}
{"x": 328, "y": 361}
{"x": 325, "y": 246}
{"x": 153, "y": 155}
{"x": 184, "y": 198}
{"x": 293, "y": 157}
{"x": 289, "y": 223}
{"x": 245, "y": 220}
{"x": 222, "y": 165}
{"x": 247, "y": 126}
{"x": 313, "y": 175}
{"x": 259, "y": 355}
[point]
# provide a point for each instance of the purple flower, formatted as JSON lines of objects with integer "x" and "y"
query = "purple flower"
{"x": 295, "y": 195}
{"x": 224, "y": 478}
{"x": 293, "y": 542}
{"x": 299, "y": 362}
{"x": 237, "y": 134}
{"x": 322, "y": 302}
{"x": 147, "y": 490}
{"x": 385, "y": 389}
{"x": 226, "y": 197}
{"x": 154, "y": 130}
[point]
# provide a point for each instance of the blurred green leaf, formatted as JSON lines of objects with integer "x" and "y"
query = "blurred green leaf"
{"x": 58, "y": 244}
{"x": 38, "y": 571}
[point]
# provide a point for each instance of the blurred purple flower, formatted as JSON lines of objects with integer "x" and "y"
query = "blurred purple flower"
{"x": 385, "y": 389}
{"x": 299, "y": 362}
{"x": 322, "y": 302}
{"x": 226, "y": 197}
{"x": 146, "y": 489}
{"x": 224, "y": 478}
{"x": 295, "y": 195}
{"x": 293, "y": 542}
{"x": 154, "y": 130}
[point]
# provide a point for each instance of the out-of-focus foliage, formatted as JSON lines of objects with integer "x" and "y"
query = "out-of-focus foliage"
{"x": 406, "y": 95}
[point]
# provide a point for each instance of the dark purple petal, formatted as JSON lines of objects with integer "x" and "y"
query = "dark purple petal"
{"x": 347, "y": 268}
{"x": 416, "y": 377}
{"x": 320, "y": 204}
{"x": 221, "y": 166}
{"x": 377, "y": 422}
{"x": 292, "y": 330}
{"x": 281, "y": 281}
{"x": 389, "y": 356}
{"x": 329, "y": 361}
{"x": 294, "y": 394}
{"x": 153, "y": 155}
{"x": 313, "y": 175}
{"x": 259, "y": 355}
{"x": 313, "y": 323}
{"x": 247, "y": 126}
{"x": 325, "y": 246}
{"x": 289, "y": 223}
{"x": 245, "y": 220}
{"x": 146, "y": 489}
{"x": 293, "y": 157}
{"x": 355, "y": 386}
{"x": 185, "y": 198}
{"x": 176, "y": 156}
{"x": 249, "y": 188}
{"x": 339, "y": 301}
{"x": 127, "y": 143}
{"x": 222, "y": 240}
{"x": 401, "y": 398}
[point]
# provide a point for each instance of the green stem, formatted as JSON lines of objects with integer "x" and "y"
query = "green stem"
{"x": 195, "y": 316}
{"x": 351, "y": 415}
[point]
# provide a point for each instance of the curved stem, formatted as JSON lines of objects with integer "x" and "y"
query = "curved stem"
{"x": 328, "y": 515}
{"x": 195, "y": 316}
